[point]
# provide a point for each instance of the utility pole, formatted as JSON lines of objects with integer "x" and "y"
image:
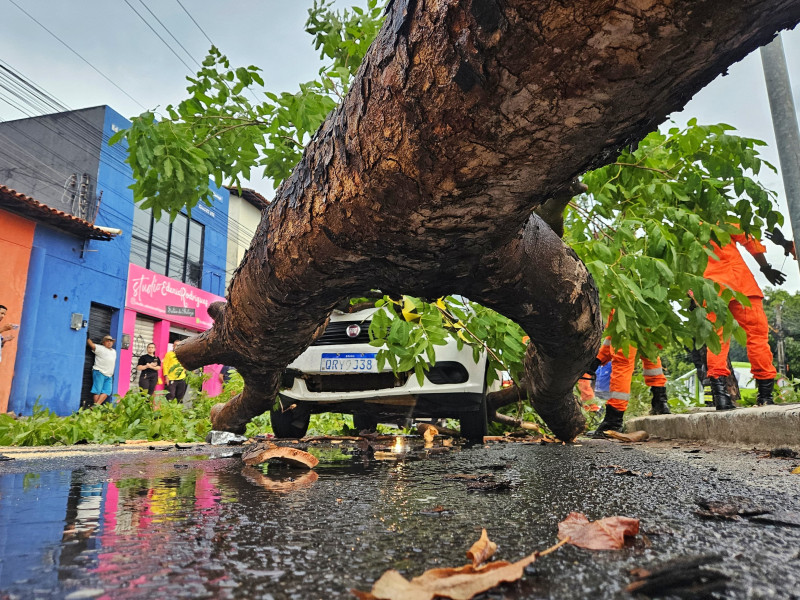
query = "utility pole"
{"x": 784, "y": 121}
{"x": 781, "y": 350}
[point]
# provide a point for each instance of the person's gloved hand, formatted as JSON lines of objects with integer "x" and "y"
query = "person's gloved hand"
{"x": 776, "y": 237}
{"x": 774, "y": 276}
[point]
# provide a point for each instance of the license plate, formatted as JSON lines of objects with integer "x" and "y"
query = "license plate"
{"x": 349, "y": 362}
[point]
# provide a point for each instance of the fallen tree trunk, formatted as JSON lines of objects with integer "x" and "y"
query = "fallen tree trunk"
{"x": 464, "y": 117}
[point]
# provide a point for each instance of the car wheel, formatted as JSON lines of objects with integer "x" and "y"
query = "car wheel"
{"x": 290, "y": 423}
{"x": 475, "y": 425}
{"x": 362, "y": 421}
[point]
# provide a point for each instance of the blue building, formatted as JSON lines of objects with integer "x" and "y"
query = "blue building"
{"x": 78, "y": 287}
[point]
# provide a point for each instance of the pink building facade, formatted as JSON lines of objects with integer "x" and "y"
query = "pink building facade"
{"x": 160, "y": 310}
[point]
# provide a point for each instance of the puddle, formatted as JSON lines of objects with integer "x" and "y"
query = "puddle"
{"x": 193, "y": 526}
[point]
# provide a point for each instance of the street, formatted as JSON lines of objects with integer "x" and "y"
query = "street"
{"x": 197, "y": 523}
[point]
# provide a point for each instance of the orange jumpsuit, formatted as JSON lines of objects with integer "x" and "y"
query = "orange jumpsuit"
{"x": 622, "y": 372}
{"x": 731, "y": 271}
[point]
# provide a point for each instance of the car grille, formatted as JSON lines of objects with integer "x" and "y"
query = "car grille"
{"x": 354, "y": 383}
{"x": 336, "y": 333}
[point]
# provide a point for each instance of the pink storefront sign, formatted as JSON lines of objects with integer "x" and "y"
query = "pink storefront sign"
{"x": 159, "y": 296}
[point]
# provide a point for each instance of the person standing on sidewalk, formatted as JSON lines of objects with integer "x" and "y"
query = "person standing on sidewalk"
{"x": 105, "y": 358}
{"x": 4, "y": 339}
{"x": 622, "y": 367}
{"x": 730, "y": 270}
{"x": 148, "y": 367}
{"x": 174, "y": 374}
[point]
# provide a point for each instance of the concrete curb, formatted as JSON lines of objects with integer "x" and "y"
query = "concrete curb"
{"x": 765, "y": 426}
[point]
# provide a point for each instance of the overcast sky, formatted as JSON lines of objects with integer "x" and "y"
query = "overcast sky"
{"x": 140, "y": 72}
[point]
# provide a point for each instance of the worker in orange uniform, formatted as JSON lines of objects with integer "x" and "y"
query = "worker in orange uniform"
{"x": 730, "y": 270}
{"x": 622, "y": 367}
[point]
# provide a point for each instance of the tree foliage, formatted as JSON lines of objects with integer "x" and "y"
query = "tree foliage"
{"x": 643, "y": 227}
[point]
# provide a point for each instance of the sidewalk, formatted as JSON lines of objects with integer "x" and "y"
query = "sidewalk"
{"x": 763, "y": 427}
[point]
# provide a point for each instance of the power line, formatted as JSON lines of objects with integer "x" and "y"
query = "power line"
{"x": 75, "y": 52}
{"x": 158, "y": 35}
{"x": 195, "y": 22}
{"x": 188, "y": 14}
{"x": 189, "y": 54}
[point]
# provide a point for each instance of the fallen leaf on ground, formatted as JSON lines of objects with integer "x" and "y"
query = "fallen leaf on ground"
{"x": 482, "y": 550}
{"x": 436, "y": 511}
{"x": 796, "y": 471}
{"x": 468, "y": 476}
{"x": 731, "y": 508}
{"x": 627, "y": 472}
{"x": 782, "y": 453}
{"x": 428, "y": 432}
{"x": 636, "y": 436}
{"x": 605, "y": 534}
{"x": 489, "y": 486}
{"x": 461, "y": 583}
{"x": 263, "y": 452}
{"x": 680, "y": 578}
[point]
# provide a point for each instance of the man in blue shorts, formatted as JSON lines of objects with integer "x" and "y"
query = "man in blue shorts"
{"x": 105, "y": 358}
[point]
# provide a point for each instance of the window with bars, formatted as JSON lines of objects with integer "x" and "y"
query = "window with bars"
{"x": 172, "y": 249}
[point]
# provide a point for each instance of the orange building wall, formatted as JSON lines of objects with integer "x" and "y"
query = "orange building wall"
{"x": 16, "y": 239}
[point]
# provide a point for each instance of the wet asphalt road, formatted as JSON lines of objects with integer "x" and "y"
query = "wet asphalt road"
{"x": 199, "y": 524}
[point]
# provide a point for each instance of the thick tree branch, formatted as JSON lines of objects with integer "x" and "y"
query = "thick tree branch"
{"x": 465, "y": 116}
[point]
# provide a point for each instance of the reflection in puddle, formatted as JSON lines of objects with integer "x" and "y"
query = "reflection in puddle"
{"x": 202, "y": 527}
{"x": 287, "y": 481}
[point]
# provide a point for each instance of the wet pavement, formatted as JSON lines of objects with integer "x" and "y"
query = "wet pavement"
{"x": 197, "y": 523}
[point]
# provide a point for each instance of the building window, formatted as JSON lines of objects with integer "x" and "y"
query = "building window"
{"x": 172, "y": 249}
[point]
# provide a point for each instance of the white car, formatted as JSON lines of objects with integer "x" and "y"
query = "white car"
{"x": 339, "y": 373}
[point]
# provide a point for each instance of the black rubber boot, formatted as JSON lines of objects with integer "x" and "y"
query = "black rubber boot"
{"x": 722, "y": 399}
{"x": 765, "y": 388}
{"x": 611, "y": 422}
{"x": 658, "y": 404}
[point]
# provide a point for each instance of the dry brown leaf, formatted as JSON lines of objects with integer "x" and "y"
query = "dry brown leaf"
{"x": 460, "y": 583}
{"x": 636, "y": 436}
{"x": 263, "y": 452}
{"x": 428, "y": 431}
{"x": 605, "y": 534}
{"x": 482, "y": 550}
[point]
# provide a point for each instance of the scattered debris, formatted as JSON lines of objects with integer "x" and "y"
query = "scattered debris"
{"x": 680, "y": 578}
{"x": 489, "y": 486}
{"x": 469, "y": 477}
{"x": 224, "y": 438}
{"x": 428, "y": 432}
{"x": 482, "y": 550}
{"x": 461, "y": 582}
{"x": 636, "y": 436}
{"x": 436, "y": 511}
{"x": 782, "y": 453}
{"x": 512, "y": 422}
{"x": 619, "y": 470}
{"x": 259, "y": 453}
{"x": 605, "y": 534}
{"x": 424, "y": 428}
{"x": 524, "y": 439}
{"x": 732, "y": 509}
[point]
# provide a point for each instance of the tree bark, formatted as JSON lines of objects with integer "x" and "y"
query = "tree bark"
{"x": 464, "y": 117}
